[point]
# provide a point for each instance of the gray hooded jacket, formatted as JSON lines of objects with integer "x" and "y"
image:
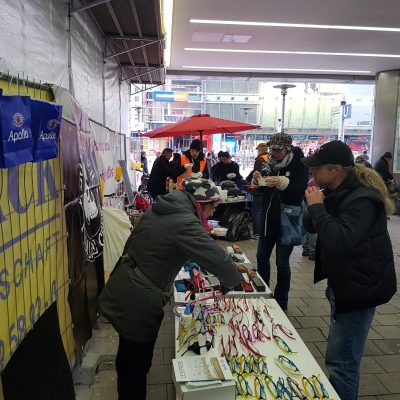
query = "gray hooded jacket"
{"x": 167, "y": 236}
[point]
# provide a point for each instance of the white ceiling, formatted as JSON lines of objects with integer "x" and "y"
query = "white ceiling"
{"x": 371, "y": 13}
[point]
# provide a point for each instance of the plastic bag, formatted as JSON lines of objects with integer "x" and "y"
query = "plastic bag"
{"x": 16, "y": 136}
{"x": 238, "y": 227}
{"x": 46, "y": 122}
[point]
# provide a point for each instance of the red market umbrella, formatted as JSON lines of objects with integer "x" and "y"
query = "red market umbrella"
{"x": 202, "y": 124}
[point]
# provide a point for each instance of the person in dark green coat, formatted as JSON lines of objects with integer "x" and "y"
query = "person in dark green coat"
{"x": 168, "y": 235}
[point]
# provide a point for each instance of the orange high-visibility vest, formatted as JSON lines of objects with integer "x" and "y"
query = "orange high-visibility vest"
{"x": 188, "y": 172}
{"x": 265, "y": 157}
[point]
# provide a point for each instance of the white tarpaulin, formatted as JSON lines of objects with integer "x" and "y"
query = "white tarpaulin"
{"x": 116, "y": 232}
{"x": 107, "y": 151}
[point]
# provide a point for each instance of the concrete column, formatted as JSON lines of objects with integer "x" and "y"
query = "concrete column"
{"x": 385, "y": 133}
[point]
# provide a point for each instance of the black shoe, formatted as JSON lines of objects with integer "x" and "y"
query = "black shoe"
{"x": 305, "y": 252}
{"x": 311, "y": 256}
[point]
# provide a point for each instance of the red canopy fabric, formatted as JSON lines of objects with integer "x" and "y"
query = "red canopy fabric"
{"x": 202, "y": 124}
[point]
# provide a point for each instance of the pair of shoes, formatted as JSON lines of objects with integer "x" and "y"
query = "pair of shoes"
{"x": 255, "y": 236}
{"x": 311, "y": 256}
{"x": 305, "y": 253}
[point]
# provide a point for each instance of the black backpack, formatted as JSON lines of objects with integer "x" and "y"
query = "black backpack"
{"x": 238, "y": 227}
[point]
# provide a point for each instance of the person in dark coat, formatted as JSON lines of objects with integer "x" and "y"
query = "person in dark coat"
{"x": 162, "y": 169}
{"x": 353, "y": 252}
{"x": 382, "y": 167}
{"x": 283, "y": 179}
{"x": 143, "y": 160}
{"x": 226, "y": 169}
{"x": 169, "y": 234}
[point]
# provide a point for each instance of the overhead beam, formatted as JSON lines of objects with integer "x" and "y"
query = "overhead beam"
{"x": 132, "y": 37}
{"x": 121, "y": 33}
{"x": 131, "y": 49}
{"x": 127, "y": 65}
{"x": 144, "y": 73}
{"x": 89, "y": 5}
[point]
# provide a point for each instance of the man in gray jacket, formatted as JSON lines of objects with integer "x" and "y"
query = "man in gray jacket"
{"x": 167, "y": 236}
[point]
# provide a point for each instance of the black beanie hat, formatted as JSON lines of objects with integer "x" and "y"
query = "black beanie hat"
{"x": 196, "y": 145}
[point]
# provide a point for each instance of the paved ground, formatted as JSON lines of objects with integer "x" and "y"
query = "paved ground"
{"x": 308, "y": 310}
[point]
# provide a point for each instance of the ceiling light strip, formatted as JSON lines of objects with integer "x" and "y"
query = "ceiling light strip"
{"x": 310, "y": 53}
{"x": 342, "y": 71}
{"x": 289, "y": 25}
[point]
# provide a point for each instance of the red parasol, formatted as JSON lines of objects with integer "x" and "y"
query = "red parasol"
{"x": 202, "y": 124}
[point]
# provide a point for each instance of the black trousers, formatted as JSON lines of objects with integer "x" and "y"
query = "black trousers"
{"x": 132, "y": 364}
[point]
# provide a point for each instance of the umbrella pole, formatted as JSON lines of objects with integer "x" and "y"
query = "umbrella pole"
{"x": 201, "y": 139}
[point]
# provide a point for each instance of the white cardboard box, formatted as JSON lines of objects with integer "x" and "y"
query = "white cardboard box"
{"x": 225, "y": 391}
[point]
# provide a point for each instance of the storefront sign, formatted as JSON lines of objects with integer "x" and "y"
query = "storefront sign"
{"x": 168, "y": 96}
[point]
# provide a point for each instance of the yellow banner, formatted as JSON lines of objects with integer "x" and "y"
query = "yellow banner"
{"x": 33, "y": 253}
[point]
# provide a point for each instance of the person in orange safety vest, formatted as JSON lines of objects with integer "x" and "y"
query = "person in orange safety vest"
{"x": 194, "y": 162}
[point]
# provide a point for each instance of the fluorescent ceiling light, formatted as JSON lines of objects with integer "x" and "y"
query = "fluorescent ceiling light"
{"x": 167, "y": 7}
{"x": 315, "y": 53}
{"x": 341, "y": 71}
{"x": 287, "y": 25}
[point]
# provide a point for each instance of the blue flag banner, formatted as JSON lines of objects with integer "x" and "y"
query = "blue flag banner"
{"x": 46, "y": 122}
{"x": 16, "y": 136}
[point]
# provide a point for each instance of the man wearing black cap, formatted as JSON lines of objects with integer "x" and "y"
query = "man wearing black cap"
{"x": 194, "y": 162}
{"x": 353, "y": 252}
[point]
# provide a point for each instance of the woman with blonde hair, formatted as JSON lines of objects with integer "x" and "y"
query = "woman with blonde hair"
{"x": 353, "y": 253}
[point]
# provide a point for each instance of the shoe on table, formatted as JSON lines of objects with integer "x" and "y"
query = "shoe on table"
{"x": 305, "y": 253}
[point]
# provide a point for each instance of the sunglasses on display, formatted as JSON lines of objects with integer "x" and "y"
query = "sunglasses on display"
{"x": 196, "y": 348}
{"x": 287, "y": 365}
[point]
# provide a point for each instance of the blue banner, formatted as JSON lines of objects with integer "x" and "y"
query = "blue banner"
{"x": 16, "y": 135}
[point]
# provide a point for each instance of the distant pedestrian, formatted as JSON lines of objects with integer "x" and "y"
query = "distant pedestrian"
{"x": 382, "y": 166}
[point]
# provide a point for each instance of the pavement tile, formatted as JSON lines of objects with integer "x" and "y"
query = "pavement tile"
{"x": 293, "y": 311}
{"x": 371, "y": 349}
{"x": 104, "y": 345}
{"x": 390, "y": 381}
{"x": 371, "y": 385}
{"x": 168, "y": 355}
{"x": 294, "y": 322}
{"x": 387, "y": 309}
{"x": 310, "y": 334}
{"x": 106, "y": 379}
{"x": 157, "y": 356}
{"x": 391, "y": 363}
{"x": 107, "y": 362}
{"x": 311, "y": 322}
{"x": 389, "y": 346}
{"x": 314, "y": 350}
{"x": 388, "y": 332}
{"x": 171, "y": 392}
{"x": 298, "y": 293}
{"x": 83, "y": 392}
{"x": 156, "y": 392}
{"x": 314, "y": 311}
{"x": 373, "y": 333}
{"x": 103, "y": 393}
{"x": 386, "y": 319}
{"x": 165, "y": 340}
{"x": 160, "y": 374}
{"x": 389, "y": 397}
{"x": 321, "y": 346}
{"x": 369, "y": 365}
